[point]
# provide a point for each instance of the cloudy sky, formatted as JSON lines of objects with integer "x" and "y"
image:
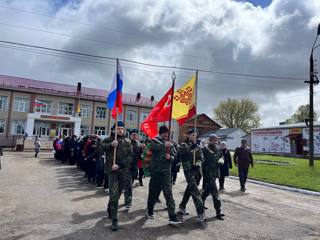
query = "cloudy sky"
{"x": 257, "y": 37}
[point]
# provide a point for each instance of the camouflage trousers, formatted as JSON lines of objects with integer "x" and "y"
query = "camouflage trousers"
{"x": 119, "y": 181}
{"x": 192, "y": 190}
{"x": 211, "y": 188}
{"x": 161, "y": 182}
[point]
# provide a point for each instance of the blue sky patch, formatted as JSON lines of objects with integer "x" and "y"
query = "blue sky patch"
{"x": 262, "y": 3}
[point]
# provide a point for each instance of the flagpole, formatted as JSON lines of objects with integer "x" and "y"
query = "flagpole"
{"x": 116, "y": 128}
{"x": 173, "y": 77}
{"x": 195, "y": 117}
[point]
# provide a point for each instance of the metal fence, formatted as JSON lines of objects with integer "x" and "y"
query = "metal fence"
{"x": 12, "y": 141}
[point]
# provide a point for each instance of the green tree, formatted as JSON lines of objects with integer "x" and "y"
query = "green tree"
{"x": 238, "y": 113}
{"x": 301, "y": 114}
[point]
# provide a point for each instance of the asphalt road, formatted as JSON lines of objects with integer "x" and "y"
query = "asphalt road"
{"x": 40, "y": 199}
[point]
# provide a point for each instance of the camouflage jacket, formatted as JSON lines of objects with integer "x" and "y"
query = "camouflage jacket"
{"x": 158, "y": 162}
{"x": 211, "y": 157}
{"x": 123, "y": 154}
{"x": 185, "y": 153}
{"x": 137, "y": 153}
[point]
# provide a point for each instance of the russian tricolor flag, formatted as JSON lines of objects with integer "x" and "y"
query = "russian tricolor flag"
{"x": 38, "y": 103}
{"x": 114, "y": 98}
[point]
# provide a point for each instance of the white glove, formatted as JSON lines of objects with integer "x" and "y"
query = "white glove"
{"x": 221, "y": 161}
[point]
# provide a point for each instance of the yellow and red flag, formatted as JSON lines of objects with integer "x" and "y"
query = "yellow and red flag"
{"x": 184, "y": 102}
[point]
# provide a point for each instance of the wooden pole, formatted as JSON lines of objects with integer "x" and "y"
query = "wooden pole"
{"x": 116, "y": 139}
{"x": 195, "y": 117}
{"x": 173, "y": 77}
{"x": 116, "y": 128}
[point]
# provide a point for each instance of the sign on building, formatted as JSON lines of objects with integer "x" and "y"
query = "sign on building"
{"x": 316, "y": 139}
{"x": 271, "y": 141}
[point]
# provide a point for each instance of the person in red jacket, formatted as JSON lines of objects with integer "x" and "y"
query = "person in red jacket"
{"x": 243, "y": 159}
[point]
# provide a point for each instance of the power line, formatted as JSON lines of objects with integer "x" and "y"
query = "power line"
{"x": 116, "y": 30}
{"x": 98, "y": 41}
{"x": 149, "y": 64}
{"x": 128, "y": 68}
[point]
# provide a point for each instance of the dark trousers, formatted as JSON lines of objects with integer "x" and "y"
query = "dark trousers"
{"x": 211, "y": 189}
{"x": 141, "y": 173}
{"x": 192, "y": 184}
{"x": 243, "y": 174}
{"x": 119, "y": 180}
{"x": 106, "y": 181}
{"x": 99, "y": 177}
{"x": 161, "y": 182}
{"x": 221, "y": 182}
{"x": 192, "y": 190}
{"x": 91, "y": 171}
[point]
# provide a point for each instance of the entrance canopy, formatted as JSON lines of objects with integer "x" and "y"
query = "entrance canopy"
{"x": 52, "y": 125}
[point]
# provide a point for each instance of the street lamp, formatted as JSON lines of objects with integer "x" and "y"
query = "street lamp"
{"x": 313, "y": 81}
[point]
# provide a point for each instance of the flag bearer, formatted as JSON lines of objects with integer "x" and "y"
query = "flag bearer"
{"x": 191, "y": 166}
{"x": 119, "y": 171}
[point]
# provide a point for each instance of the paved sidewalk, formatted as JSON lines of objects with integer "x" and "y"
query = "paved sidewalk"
{"x": 40, "y": 199}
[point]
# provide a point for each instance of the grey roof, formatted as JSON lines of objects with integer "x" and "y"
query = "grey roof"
{"x": 284, "y": 126}
{"x": 222, "y": 132}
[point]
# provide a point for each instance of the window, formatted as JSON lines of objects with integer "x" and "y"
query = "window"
{"x": 84, "y": 111}
{"x": 131, "y": 116}
{"x": 66, "y": 108}
{"x": 45, "y": 108}
{"x": 2, "y": 125}
{"x": 100, "y": 131}
{"x": 101, "y": 112}
{"x": 18, "y": 127}
{"x": 143, "y": 116}
{"x": 3, "y": 102}
{"x": 84, "y": 130}
{"x": 21, "y": 104}
{"x": 41, "y": 129}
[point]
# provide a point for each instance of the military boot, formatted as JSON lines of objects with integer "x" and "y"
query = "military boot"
{"x": 114, "y": 226}
{"x": 219, "y": 214}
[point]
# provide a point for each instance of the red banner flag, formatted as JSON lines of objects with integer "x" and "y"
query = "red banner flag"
{"x": 160, "y": 113}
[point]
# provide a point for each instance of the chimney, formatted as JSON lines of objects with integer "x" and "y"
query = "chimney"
{"x": 138, "y": 97}
{"x": 79, "y": 87}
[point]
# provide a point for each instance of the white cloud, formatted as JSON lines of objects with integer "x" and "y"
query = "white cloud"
{"x": 220, "y": 35}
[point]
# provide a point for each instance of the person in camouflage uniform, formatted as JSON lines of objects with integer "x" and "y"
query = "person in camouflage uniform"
{"x": 132, "y": 173}
{"x": 160, "y": 179}
{"x": 191, "y": 169}
{"x": 118, "y": 173}
{"x": 137, "y": 153}
{"x": 211, "y": 172}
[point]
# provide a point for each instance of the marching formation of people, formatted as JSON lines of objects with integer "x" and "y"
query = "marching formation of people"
{"x": 116, "y": 162}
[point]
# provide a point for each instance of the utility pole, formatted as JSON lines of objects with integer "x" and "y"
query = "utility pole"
{"x": 313, "y": 80}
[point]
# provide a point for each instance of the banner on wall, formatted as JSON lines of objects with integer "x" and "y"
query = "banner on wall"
{"x": 271, "y": 141}
{"x": 316, "y": 139}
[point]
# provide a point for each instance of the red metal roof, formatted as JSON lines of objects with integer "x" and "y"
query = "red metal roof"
{"x": 25, "y": 84}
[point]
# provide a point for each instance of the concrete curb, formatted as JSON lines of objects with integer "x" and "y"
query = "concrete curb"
{"x": 281, "y": 187}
